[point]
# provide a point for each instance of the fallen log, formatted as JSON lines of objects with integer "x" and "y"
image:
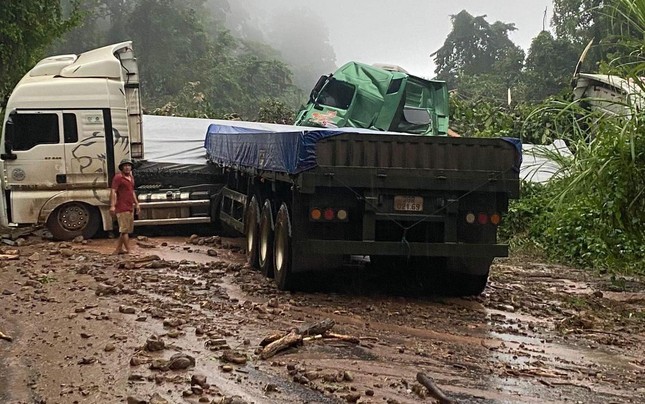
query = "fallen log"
{"x": 319, "y": 328}
{"x": 292, "y": 339}
{"x": 434, "y": 391}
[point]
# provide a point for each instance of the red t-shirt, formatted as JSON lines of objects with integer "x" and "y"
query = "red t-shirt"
{"x": 124, "y": 187}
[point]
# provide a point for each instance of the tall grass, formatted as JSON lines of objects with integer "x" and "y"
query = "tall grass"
{"x": 593, "y": 214}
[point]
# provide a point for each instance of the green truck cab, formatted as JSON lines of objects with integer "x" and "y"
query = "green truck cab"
{"x": 384, "y": 98}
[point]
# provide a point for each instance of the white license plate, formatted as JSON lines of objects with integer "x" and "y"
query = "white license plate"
{"x": 408, "y": 203}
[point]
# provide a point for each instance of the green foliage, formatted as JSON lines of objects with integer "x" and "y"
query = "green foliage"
{"x": 475, "y": 47}
{"x": 593, "y": 215}
{"x": 535, "y": 124}
{"x": 27, "y": 27}
{"x": 275, "y": 111}
{"x": 190, "y": 64}
{"x": 190, "y": 102}
{"x": 549, "y": 66}
{"x": 171, "y": 46}
{"x": 579, "y": 21}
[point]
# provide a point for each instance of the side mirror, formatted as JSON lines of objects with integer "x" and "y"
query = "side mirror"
{"x": 9, "y": 135}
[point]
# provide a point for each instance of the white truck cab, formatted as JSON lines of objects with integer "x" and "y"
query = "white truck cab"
{"x": 68, "y": 123}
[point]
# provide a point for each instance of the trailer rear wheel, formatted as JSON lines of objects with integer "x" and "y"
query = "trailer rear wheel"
{"x": 282, "y": 256}
{"x": 266, "y": 240}
{"x": 468, "y": 284}
{"x": 467, "y": 276}
{"x": 251, "y": 223}
{"x": 74, "y": 219}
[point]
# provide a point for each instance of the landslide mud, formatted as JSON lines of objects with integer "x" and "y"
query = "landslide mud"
{"x": 80, "y": 320}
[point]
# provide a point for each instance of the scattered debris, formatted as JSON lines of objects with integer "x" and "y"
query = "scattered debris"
{"x": 5, "y": 337}
{"x": 434, "y": 391}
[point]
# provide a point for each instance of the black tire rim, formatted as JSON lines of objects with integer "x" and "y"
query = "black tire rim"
{"x": 73, "y": 217}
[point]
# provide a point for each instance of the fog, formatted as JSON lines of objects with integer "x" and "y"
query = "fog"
{"x": 403, "y": 33}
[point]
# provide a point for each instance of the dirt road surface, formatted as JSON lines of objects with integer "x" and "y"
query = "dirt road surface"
{"x": 181, "y": 321}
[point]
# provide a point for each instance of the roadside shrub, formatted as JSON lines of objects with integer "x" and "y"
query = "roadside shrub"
{"x": 592, "y": 215}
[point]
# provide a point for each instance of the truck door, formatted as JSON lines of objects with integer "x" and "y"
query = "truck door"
{"x": 37, "y": 153}
{"x": 85, "y": 150}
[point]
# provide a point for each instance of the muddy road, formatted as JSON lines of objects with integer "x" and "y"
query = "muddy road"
{"x": 181, "y": 321}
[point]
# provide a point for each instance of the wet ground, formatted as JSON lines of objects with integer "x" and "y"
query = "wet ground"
{"x": 84, "y": 326}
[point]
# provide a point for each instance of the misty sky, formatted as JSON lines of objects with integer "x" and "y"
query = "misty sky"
{"x": 406, "y": 32}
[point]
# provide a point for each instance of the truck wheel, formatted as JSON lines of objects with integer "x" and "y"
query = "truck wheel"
{"x": 72, "y": 220}
{"x": 282, "y": 256}
{"x": 468, "y": 284}
{"x": 251, "y": 221}
{"x": 266, "y": 240}
{"x": 467, "y": 276}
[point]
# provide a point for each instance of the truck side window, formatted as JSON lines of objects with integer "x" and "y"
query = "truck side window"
{"x": 34, "y": 129}
{"x": 395, "y": 86}
{"x": 70, "y": 128}
{"x": 337, "y": 94}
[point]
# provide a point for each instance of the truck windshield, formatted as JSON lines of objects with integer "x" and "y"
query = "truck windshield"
{"x": 336, "y": 94}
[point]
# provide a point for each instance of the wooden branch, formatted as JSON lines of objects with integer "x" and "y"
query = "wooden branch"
{"x": 292, "y": 339}
{"x": 434, "y": 391}
{"x": 342, "y": 337}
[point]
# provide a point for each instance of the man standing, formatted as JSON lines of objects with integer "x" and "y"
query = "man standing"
{"x": 123, "y": 201}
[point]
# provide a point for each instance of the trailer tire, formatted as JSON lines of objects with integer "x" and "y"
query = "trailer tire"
{"x": 283, "y": 258}
{"x": 466, "y": 276}
{"x": 74, "y": 219}
{"x": 468, "y": 284}
{"x": 251, "y": 224}
{"x": 265, "y": 240}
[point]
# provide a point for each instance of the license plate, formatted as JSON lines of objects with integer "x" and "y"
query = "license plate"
{"x": 408, "y": 203}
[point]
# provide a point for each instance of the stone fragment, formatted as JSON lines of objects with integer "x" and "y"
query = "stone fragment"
{"x": 198, "y": 379}
{"x": 127, "y": 310}
{"x": 158, "y": 399}
{"x": 154, "y": 344}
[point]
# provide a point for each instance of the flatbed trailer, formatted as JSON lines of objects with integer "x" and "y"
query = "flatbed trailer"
{"x": 308, "y": 198}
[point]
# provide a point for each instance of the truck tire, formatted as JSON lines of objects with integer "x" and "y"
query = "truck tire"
{"x": 74, "y": 219}
{"x": 251, "y": 224}
{"x": 468, "y": 284}
{"x": 283, "y": 259}
{"x": 265, "y": 242}
{"x": 466, "y": 276}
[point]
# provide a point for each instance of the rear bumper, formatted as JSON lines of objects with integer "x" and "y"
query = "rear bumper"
{"x": 397, "y": 248}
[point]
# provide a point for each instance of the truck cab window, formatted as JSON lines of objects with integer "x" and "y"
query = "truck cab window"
{"x": 70, "y": 128}
{"x": 337, "y": 94}
{"x": 34, "y": 129}
{"x": 395, "y": 86}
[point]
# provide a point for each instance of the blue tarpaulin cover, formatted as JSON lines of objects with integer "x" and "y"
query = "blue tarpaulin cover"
{"x": 281, "y": 148}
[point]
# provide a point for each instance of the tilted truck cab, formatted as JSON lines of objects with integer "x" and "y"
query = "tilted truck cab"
{"x": 384, "y": 98}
